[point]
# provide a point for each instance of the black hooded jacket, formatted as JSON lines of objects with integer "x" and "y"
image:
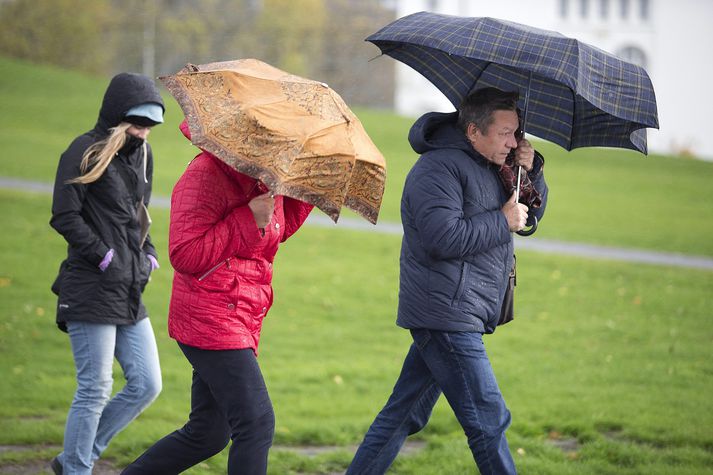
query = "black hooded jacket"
{"x": 102, "y": 215}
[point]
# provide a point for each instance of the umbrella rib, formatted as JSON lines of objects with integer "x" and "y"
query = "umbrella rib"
{"x": 570, "y": 139}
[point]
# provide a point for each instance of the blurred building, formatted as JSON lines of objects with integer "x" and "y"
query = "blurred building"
{"x": 670, "y": 39}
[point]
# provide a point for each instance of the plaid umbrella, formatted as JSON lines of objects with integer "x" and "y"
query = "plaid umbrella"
{"x": 573, "y": 94}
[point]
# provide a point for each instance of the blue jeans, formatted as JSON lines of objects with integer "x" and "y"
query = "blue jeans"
{"x": 456, "y": 364}
{"x": 229, "y": 401}
{"x": 94, "y": 419}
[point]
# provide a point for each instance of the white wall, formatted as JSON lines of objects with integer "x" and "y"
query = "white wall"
{"x": 676, "y": 39}
{"x": 682, "y": 74}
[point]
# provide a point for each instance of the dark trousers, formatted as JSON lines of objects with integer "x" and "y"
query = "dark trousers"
{"x": 456, "y": 364}
{"x": 229, "y": 401}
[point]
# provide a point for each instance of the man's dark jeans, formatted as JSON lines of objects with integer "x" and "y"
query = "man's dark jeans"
{"x": 456, "y": 364}
{"x": 229, "y": 400}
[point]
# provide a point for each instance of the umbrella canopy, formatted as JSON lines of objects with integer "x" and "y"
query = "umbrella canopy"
{"x": 295, "y": 135}
{"x": 577, "y": 95}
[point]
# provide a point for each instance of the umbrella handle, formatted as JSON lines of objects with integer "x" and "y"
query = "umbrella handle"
{"x": 528, "y": 232}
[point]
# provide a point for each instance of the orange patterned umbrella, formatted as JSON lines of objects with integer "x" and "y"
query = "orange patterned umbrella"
{"x": 295, "y": 135}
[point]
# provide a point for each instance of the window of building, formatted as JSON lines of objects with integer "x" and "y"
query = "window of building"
{"x": 624, "y": 8}
{"x": 644, "y": 9}
{"x": 564, "y": 8}
{"x": 604, "y": 8}
{"x": 633, "y": 54}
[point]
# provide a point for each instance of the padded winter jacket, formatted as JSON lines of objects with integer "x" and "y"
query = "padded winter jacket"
{"x": 222, "y": 286}
{"x": 457, "y": 250}
{"x": 101, "y": 215}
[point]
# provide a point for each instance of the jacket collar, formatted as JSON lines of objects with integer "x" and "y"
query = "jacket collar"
{"x": 439, "y": 130}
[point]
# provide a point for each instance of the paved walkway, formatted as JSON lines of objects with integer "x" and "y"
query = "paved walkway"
{"x": 530, "y": 243}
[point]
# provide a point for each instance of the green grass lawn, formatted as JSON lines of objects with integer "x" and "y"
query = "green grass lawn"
{"x": 612, "y": 359}
{"x": 606, "y": 368}
{"x": 600, "y": 196}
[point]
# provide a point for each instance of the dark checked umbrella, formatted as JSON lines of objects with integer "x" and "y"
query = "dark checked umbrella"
{"x": 572, "y": 93}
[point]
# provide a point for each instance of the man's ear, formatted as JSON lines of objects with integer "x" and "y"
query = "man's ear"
{"x": 471, "y": 131}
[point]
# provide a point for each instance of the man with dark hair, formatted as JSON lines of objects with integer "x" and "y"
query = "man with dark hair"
{"x": 456, "y": 257}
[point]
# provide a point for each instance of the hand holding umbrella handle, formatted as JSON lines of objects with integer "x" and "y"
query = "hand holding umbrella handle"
{"x": 262, "y": 207}
{"x": 515, "y": 213}
{"x": 531, "y": 231}
{"x": 533, "y": 228}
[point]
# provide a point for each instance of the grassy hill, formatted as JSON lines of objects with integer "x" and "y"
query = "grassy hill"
{"x": 606, "y": 368}
{"x": 602, "y": 196}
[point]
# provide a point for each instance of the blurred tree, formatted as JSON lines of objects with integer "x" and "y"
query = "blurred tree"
{"x": 61, "y": 32}
{"x": 318, "y": 39}
{"x": 148, "y": 50}
{"x": 346, "y": 60}
{"x": 291, "y": 34}
{"x": 163, "y": 33}
{"x": 214, "y": 30}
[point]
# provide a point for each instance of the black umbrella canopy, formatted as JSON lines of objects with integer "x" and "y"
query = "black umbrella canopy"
{"x": 577, "y": 95}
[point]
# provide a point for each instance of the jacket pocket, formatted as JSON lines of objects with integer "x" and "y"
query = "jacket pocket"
{"x": 212, "y": 270}
{"x": 253, "y": 304}
{"x": 220, "y": 278}
{"x": 144, "y": 270}
{"x": 79, "y": 285}
{"x": 462, "y": 284}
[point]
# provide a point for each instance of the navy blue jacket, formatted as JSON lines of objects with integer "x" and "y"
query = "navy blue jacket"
{"x": 457, "y": 250}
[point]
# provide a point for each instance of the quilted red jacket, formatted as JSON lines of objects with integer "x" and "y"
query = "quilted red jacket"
{"x": 222, "y": 286}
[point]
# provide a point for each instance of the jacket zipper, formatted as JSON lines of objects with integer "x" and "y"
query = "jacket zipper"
{"x": 213, "y": 269}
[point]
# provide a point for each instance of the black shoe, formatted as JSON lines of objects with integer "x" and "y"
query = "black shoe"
{"x": 56, "y": 466}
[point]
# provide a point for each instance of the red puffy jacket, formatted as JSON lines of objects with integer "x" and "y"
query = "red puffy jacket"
{"x": 222, "y": 286}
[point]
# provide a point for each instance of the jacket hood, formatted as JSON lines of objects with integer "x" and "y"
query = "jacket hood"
{"x": 438, "y": 130}
{"x": 230, "y": 171}
{"x": 126, "y": 90}
{"x": 185, "y": 130}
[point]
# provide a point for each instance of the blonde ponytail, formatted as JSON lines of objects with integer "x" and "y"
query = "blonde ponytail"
{"x": 97, "y": 157}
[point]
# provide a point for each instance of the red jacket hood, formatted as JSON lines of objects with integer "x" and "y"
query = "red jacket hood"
{"x": 245, "y": 181}
{"x": 185, "y": 129}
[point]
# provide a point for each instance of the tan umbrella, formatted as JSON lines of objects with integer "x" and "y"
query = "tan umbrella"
{"x": 295, "y": 135}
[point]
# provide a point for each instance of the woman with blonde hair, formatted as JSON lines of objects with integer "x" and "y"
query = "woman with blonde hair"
{"x": 101, "y": 191}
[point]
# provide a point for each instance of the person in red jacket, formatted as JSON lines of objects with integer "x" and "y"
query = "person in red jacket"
{"x": 225, "y": 230}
